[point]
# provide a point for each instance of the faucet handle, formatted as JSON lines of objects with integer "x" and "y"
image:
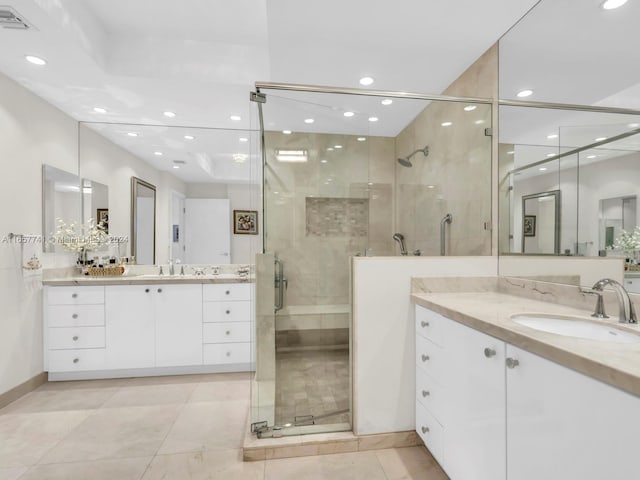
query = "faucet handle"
{"x": 160, "y": 272}
{"x": 599, "y": 310}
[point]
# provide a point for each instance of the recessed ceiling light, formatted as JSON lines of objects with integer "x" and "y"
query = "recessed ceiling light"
{"x": 132, "y": 134}
{"x": 348, "y": 114}
{"x": 286, "y": 132}
{"x": 243, "y": 139}
{"x": 510, "y": 152}
{"x": 612, "y": 4}
{"x": 189, "y": 137}
{"x": 591, "y": 156}
{"x": 292, "y": 156}
{"x": 309, "y": 120}
{"x": 373, "y": 119}
{"x": 370, "y": 183}
{"x": 99, "y": 110}
{"x": 446, "y": 124}
{"x": 176, "y": 166}
{"x": 479, "y": 122}
{"x": 542, "y": 169}
{"x": 386, "y": 101}
{"x": 235, "y": 118}
{"x": 431, "y": 186}
{"x": 551, "y": 154}
{"x": 524, "y": 93}
{"x": 157, "y": 154}
{"x": 35, "y": 60}
{"x": 552, "y": 135}
{"x": 470, "y": 108}
{"x": 600, "y": 139}
{"x": 323, "y": 161}
{"x": 362, "y": 139}
{"x": 169, "y": 114}
{"x": 366, "y": 81}
{"x": 633, "y": 125}
{"x": 330, "y": 149}
{"x": 337, "y": 146}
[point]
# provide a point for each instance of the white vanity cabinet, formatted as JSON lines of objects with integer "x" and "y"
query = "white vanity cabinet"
{"x": 460, "y": 396}
{"x": 563, "y": 424}
{"x": 489, "y": 410}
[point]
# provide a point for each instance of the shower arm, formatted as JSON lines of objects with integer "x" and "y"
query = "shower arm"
{"x": 448, "y": 218}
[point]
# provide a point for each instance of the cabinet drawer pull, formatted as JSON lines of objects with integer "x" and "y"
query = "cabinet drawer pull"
{"x": 512, "y": 362}
{"x": 228, "y": 354}
{"x": 425, "y": 358}
{"x": 489, "y": 352}
{"x": 159, "y": 290}
{"x": 75, "y": 338}
{"x": 227, "y": 292}
{"x": 76, "y": 360}
{"x": 74, "y": 316}
{"x": 146, "y": 290}
{"x": 227, "y": 312}
{"x": 74, "y": 295}
{"x": 228, "y": 332}
{"x": 425, "y": 429}
{"x": 425, "y": 393}
{"x": 424, "y": 324}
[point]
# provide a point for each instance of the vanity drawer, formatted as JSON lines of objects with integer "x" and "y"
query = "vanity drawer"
{"x": 75, "y": 295}
{"x": 431, "y": 432}
{"x": 226, "y": 292}
{"x": 232, "y": 332}
{"x": 75, "y": 315}
{"x": 76, "y": 337}
{"x": 431, "y": 359}
{"x": 226, "y": 311}
{"x": 77, "y": 360}
{"x": 431, "y": 394}
{"x": 226, "y": 353}
{"x": 431, "y": 325}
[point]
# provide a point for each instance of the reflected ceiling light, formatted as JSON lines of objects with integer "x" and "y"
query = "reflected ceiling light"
{"x": 479, "y": 122}
{"x": 157, "y": 154}
{"x": 470, "y": 108}
{"x": 348, "y": 114}
{"x": 373, "y": 119}
{"x": 337, "y": 146}
{"x": 132, "y": 134}
{"x": 524, "y": 93}
{"x": 366, "y": 81}
{"x": 292, "y": 156}
{"x": 591, "y": 156}
{"x": 235, "y": 118}
{"x": 510, "y": 152}
{"x": 169, "y": 114}
{"x": 243, "y": 139}
{"x": 600, "y": 139}
{"x": 99, "y": 110}
{"x": 431, "y": 186}
{"x": 240, "y": 157}
{"x": 446, "y": 124}
{"x": 386, "y": 101}
{"x": 35, "y": 60}
{"x": 189, "y": 137}
{"x": 542, "y": 169}
{"x": 612, "y": 4}
{"x": 370, "y": 183}
{"x": 176, "y": 166}
{"x": 551, "y": 154}
{"x": 552, "y": 135}
{"x": 309, "y": 120}
{"x": 362, "y": 139}
{"x": 323, "y": 161}
{"x": 330, "y": 149}
{"x": 633, "y": 125}
{"x": 286, "y": 132}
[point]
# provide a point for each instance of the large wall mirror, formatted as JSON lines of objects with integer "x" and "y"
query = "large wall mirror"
{"x": 143, "y": 221}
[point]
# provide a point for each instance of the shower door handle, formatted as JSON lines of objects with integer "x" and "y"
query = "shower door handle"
{"x": 280, "y": 283}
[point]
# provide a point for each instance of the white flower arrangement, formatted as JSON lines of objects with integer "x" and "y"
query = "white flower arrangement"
{"x": 80, "y": 238}
{"x": 628, "y": 241}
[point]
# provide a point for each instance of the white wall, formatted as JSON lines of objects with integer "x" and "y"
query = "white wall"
{"x": 33, "y": 133}
{"x": 384, "y": 334}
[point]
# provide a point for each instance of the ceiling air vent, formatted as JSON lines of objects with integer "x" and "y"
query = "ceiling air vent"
{"x": 9, "y": 18}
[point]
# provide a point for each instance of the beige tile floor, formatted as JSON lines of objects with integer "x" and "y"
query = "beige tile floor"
{"x": 183, "y": 428}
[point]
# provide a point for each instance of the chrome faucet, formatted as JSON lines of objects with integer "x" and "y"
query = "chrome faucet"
{"x": 627, "y": 311}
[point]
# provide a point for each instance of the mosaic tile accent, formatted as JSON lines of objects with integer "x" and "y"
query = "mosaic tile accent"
{"x": 337, "y": 217}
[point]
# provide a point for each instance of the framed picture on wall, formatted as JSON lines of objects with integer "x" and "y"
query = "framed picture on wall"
{"x": 245, "y": 222}
{"x": 529, "y": 226}
{"x": 102, "y": 218}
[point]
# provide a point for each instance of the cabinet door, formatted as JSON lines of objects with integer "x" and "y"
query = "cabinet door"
{"x": 563, "y": 424}
{"x": 474, "y": 421}
{"x": 130, "y": 331}
{"x": 178, "y": 325}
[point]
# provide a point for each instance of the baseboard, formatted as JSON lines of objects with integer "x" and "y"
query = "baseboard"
{"x": 16, "y": 392}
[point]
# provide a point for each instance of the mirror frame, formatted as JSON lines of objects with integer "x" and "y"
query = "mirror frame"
{"x": 556, "y": 230}
{"x": 135, "y": 184}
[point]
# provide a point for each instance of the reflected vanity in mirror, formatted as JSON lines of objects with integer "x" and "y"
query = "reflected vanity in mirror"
{"x": 143, "y": 221}
{"x": 60, "y": 200}
{"x": 541, "y": 223}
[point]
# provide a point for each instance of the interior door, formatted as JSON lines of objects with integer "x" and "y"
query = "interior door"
{"x": 207, "y": 231}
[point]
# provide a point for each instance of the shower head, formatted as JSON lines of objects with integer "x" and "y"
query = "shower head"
{"x": 398, "y": 237}
{"x": 405, "y": 162}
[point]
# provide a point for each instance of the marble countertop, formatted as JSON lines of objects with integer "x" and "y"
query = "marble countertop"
{"x": 616, "y": 364}
{"x": 147, "y": 280}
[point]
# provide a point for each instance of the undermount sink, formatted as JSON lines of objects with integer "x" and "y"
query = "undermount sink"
{"x": 573, "y": 327}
